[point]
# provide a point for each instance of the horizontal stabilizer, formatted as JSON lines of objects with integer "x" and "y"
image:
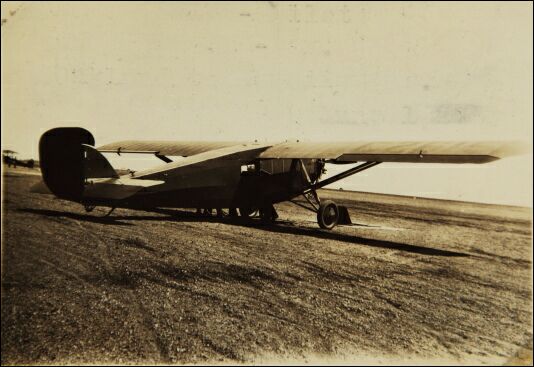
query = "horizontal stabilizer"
{"x": 115, "y": 188}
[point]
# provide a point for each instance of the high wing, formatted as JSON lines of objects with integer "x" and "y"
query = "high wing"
{"x": 340, "y": 152}
{"x": 409, "y": 151}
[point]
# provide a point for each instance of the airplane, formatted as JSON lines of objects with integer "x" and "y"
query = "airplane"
{"x": 9, "y": 158}
{"x": 247, "y": 178}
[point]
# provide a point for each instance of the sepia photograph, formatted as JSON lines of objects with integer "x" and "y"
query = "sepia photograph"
{"x": 266, "y": 183}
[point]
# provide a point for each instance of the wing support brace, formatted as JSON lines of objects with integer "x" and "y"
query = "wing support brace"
{"x": 345, "y": 174}
{"x": 310, "y": 193}
{"x": 163, "y": 158}
{"x": 119, "y": 150}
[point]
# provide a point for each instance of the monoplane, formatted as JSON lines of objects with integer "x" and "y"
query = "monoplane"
{"x": 243, "y": 178}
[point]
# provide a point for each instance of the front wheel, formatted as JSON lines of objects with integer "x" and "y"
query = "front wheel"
{"x": 328, "y": 214}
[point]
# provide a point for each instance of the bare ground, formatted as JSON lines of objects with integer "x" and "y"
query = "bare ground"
{"x": 415, "y": 279}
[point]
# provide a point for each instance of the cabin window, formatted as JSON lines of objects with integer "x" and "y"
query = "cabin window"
{"x": 275, "y": 166}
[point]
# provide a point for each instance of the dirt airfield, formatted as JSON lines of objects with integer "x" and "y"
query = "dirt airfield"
{"x": 413, "y": 281}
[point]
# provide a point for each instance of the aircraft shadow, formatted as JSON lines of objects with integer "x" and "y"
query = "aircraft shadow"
{"x": 81, "y": 217}
{"x": 278, "y": 227}
{"x": 357, "y": 240}
{"x": 289, "y": 228}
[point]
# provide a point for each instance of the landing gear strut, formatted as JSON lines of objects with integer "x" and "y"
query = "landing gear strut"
{"x": 329, "y": 214}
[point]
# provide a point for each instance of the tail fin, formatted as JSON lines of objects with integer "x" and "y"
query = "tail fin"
{"x": 103, "y": 182}
{"x": 96, "y": 165}
{"x": 73, "y": 169}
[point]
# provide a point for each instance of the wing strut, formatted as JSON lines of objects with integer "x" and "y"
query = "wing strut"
{"x": 310, "y": 194}
{"x": 344, "y": 174}
{"x": 163, "y": 158}
{"x": 119, "y": 150}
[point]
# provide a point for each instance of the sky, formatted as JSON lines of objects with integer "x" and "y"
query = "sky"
{"x": 272, "y": 71}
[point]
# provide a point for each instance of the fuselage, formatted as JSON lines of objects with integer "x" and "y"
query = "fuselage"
{"x": 223, "y": 183}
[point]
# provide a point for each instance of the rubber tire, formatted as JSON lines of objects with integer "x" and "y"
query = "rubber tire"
{"x": 325, "y": 206}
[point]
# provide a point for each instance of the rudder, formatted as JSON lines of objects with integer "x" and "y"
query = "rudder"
{"x": 61, "y": 156}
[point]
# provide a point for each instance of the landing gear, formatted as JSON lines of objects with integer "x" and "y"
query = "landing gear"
{"x": 328, "y": 214}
